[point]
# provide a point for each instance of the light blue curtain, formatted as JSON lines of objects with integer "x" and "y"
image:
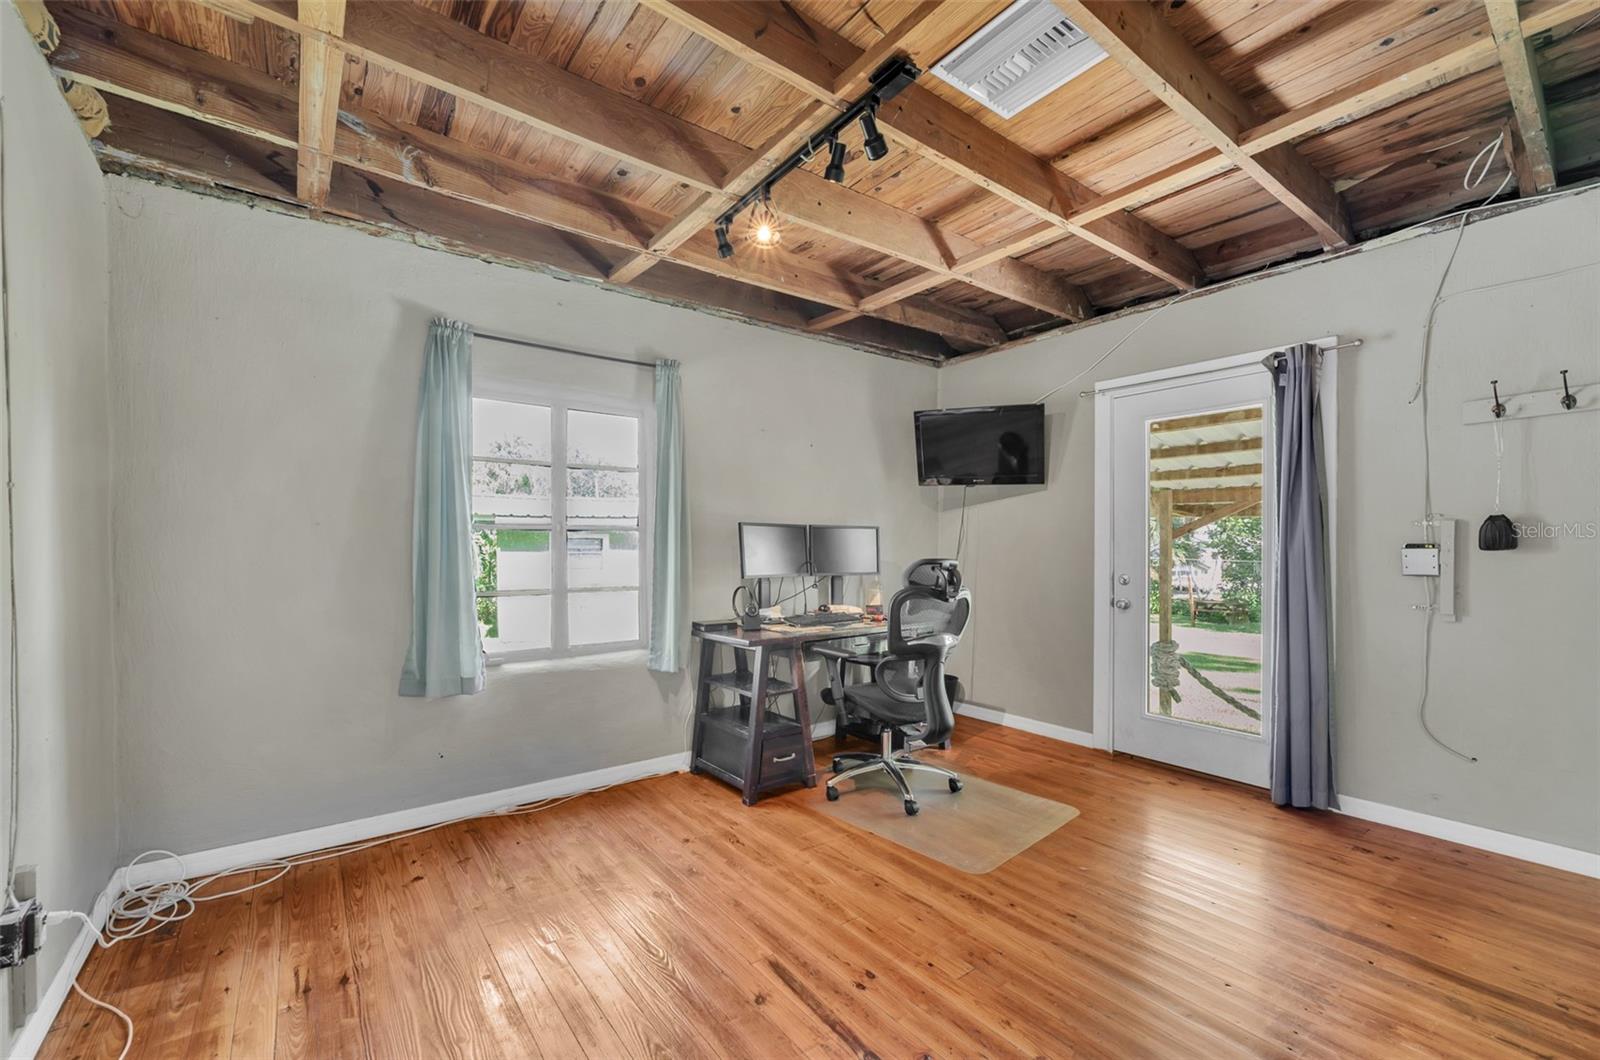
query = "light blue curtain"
{"x": 446, "y": 654}
{"x": 669, "y": 597}
{"x": 1302, "y": 728}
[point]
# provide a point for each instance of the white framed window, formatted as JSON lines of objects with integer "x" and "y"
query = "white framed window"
{"x": 560, "y": 498}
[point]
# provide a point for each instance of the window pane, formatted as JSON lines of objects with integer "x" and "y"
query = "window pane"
{"x": 602, "y": 558}
{"x": 510, "y": 429}
{"x": 514, "y": 623}
{"x": 510, "y": 490}
{"x": 596, "y": 438}
{"x": 602, "y": 497}
{"x": 513, "y": 559}
{"x": 602, "y": 618}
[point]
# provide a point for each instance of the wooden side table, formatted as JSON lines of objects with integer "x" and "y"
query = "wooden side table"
{"x": 752, "y": 744}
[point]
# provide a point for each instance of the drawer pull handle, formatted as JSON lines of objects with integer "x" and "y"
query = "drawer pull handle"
{"x": 786, "y": 758}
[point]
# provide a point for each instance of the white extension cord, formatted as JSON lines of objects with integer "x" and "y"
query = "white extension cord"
{"x": 148, "y": 907}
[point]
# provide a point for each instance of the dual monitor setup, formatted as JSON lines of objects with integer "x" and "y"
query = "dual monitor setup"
{"x": 790, "y": 550}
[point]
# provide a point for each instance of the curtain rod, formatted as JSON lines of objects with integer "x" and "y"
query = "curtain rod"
{"x": 1266, "y": 362}
{"x": 562, "y": 349}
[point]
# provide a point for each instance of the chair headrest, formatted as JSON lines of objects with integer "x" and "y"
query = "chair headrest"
{"x": 943, "y": 576}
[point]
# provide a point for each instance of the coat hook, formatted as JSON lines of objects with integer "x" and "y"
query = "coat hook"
{"x": 1568, "y": 400}
{"x": 1498, "y": 408}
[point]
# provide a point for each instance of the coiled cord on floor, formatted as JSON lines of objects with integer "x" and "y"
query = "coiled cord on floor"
{"x": 144, "y": 908}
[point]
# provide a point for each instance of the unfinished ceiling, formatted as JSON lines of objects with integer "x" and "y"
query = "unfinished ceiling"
{"x": 601, "y": 139}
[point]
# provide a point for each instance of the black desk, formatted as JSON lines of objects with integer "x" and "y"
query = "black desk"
{"x": 750, "y": 744}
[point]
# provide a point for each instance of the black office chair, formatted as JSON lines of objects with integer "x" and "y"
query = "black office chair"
{"x": 907, "y": 694}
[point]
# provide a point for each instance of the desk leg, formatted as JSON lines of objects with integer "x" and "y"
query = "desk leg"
{"x": 702, "y": 701}
{"x": 758, "y": 713}
{"x": 802, "y": 711}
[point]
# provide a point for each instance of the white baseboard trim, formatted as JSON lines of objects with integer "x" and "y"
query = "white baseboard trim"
{"x": 1538, "y": 851}
{"x": 1038, "y": 728}
{"x": 33, "y": 1032}
{"x": 217, "y": 859}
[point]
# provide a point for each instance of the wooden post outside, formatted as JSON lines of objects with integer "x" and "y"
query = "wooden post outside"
{"x": 1163, "y": 507}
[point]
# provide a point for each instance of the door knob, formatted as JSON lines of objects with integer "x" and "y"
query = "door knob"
{"x": 1121, "y": 605}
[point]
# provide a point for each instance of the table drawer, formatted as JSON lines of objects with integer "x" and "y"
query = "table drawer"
{"x": 783, "y": 760}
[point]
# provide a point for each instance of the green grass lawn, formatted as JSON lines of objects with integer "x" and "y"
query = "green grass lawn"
{"x": 1230, "y": 664}
{"x": 1180, "y": 617}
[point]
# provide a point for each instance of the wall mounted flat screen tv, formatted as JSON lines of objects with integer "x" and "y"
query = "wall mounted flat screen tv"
{"x": 995, "y": 445}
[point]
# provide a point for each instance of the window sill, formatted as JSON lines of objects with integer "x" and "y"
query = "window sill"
{"x": 611, "y": 660}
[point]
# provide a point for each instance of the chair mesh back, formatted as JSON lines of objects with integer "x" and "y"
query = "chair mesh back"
{"x": 921, "y": 613}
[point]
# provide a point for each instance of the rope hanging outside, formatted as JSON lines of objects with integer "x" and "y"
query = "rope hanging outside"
{"x": 1165, "y": 669}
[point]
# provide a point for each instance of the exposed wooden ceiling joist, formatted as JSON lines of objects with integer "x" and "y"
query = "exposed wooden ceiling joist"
{"x": 812, "y": 60}
{"x": 1444, "y": 63}
{"x": 438, "y": 51}
{"x": 124, "y": 60}
{"x": 1145, "y": 44}
{"x": 629, "y": 125}
{"x": 321, "y": 75}
{"x": 1521, "y": 68}
{"x": 162, "y": 142}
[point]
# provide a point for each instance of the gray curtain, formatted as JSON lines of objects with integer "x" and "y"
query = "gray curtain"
{"x": 1302, "y": 728}
{"x": 445, "y": 657}
{"x": 669, "y": 586}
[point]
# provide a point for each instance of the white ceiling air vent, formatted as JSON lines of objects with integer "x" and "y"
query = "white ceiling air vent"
{"x": 1030, "y": 50}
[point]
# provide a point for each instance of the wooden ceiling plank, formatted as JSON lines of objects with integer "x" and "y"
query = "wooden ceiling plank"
{"x": 935, "y": 129}
{"x": 854, "y": 76}
{"x": 165, "y": 143}
{"x": 836, "y": 210}
{"x": 1439, "y": 66}
{"x": 1157, "y": 56}
{"x": 321, "y": 78}
{"x": 438, "y": 51}
{"x": 108, "y": 55}
{"x": 475, "y": 175}
{"x": 1521, "y": 69}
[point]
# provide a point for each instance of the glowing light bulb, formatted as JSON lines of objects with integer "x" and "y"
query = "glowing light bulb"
{"x": 764, "y": 235}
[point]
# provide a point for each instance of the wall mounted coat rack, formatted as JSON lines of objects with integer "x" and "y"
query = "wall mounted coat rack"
{"x": 1565, "y": 400}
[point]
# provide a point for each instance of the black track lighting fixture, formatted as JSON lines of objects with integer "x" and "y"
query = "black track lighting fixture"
{"x": 835, "y": 170}
{"x": 871, "y": 139}
{"x": 888, "y": 81}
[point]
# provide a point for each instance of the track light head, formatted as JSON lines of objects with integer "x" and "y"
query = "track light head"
{"x": 835, "y": 170}
{"x": 724, "y": 247}
{"x": 872, "y": 143}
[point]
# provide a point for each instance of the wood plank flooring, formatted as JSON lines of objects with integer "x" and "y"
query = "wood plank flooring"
{"x": 1177, "y": 917}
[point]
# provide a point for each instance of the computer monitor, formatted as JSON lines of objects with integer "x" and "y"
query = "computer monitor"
{"x": 772, "y": 550}
{"x": 844, "y": 549}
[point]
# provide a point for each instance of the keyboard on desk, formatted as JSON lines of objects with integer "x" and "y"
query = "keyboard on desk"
{"x": 823, "y": 618}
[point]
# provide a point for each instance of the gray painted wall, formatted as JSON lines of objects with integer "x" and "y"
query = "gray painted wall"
{"x": 266, "y": 376}
{"x": 1515, "y": 681}
{"x": 55, "y": 331}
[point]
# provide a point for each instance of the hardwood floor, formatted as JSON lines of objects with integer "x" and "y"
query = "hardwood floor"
{"x": 1178, "y": 916}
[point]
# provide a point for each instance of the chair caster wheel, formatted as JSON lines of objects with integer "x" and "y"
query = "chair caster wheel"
{"x": 836, "y": 766}
{"x": 833, "y": 794}
{"x": 912, "y": 807}
{"x": 955, "y": 785}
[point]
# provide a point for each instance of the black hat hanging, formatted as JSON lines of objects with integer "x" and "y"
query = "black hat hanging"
{"x": 1497, "y": 534}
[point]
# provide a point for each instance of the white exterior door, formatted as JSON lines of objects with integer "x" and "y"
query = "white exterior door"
{"x": 1190, "y": 482}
